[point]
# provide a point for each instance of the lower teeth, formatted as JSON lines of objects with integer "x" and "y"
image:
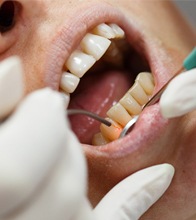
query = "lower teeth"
{"x": 122, "y": 112}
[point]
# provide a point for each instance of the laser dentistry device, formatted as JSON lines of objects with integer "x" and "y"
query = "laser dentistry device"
{"x": 188, "y": 64}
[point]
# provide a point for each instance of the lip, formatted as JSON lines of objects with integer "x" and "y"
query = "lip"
{"x": 150, "y": 123}
{"x": 75, "y": 29}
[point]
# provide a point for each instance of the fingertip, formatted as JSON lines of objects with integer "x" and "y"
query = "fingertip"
{"x": 179, "y": 97}
{"x": 167, "y": 172}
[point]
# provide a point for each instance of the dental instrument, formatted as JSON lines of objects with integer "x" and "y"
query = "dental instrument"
{"x": 46, "y": 175}
{"x": 90, "y": 114}
{"x": 188, "y": 64}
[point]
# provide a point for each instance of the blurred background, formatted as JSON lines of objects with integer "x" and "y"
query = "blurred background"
{"x": 188, "y": 8}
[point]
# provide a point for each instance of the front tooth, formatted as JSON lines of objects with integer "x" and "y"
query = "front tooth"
{"x": 95, "y": 45}
{"x": 138, "y": 93}
{"x": 130, "y": 104}
{"x": 79, "y": 63}
{"x": 104, "y": 30}
{"x": 99, "y": 139}
{"x": 119, "y": 33}
{"x": 113, "y": 132}
{"x": 119, "y": 114}
{"x": 146, "y": 80}
{"x": 69, "y": 82}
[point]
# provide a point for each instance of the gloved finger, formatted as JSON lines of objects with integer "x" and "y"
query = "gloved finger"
{"x": 11, "y": 85}
{"x": 61, "y": 196}
{"x": 179, "y": 97}
{"x": 134, "y": 195}
{"x": 31, "y": 141}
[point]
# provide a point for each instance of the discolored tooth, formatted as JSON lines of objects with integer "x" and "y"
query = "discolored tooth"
{"x": 104, "y": 30}
{"x": 119, "y": 33}
{"x": 138, "y": 93}
{"x": 119, "y": 114}
{"x": 146, "y": 80}
{"x": 95, "y": 45}
{"x": 79, "y": 63}
{"x": 99, "y": 139}
{"x": 65, "y": 97}
{"x": 113, "y": 132}
{"x": 69, "y": 82}
{"x": 130, "y": 104}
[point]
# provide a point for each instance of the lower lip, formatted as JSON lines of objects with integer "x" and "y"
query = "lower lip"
{"x": 147, "y": 129}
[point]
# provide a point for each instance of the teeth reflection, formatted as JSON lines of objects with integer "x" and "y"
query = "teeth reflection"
{"x": 146, "y": 80}
{"x": 95, "y": 45}
{"x": 112, "y": 132}
{"x": 79, "y": 63}
{"x": 138, "y": 93}
{"x": 69, "y": 82}
{"x": 119, "y": 114}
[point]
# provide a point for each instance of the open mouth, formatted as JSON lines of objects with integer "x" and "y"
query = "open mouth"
{"x": 107, "y": 76}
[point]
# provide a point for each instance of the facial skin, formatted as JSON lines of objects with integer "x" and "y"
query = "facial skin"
{"x": 44, "y": 35}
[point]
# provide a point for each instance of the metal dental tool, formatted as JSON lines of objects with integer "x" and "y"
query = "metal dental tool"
{"x": 90, "y": 114}
{"x": 188, "y": 64}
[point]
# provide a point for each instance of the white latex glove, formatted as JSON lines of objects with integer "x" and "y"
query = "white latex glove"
{"x": 179, "y": 97}
{"x": 42, "y": 167}
{"x": 133, "y": 196}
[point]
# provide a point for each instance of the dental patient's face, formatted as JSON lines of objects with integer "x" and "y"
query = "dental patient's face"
{"x": 153, "y": 38}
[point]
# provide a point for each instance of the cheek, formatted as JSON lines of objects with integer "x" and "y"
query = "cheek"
{"x": 29, "y": 39}
{"x": 33, "y": 50}
{"x": 34, "y": 71}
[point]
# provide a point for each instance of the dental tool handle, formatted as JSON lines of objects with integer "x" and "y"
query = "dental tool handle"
{"x": 157, "y": 96}
{"x": 188, "y": 63}
{"x": 90, "y": 114}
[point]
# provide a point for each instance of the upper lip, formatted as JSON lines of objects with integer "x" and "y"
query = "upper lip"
{"x": 67, "y": 40}
{"x": 68, "y": 37}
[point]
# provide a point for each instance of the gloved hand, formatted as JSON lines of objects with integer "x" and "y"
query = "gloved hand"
{"x": 43, "y": 170}
{"x": 179, "y": 98}
{"x": 133, "y": 196}
{"x": 42, "y": 167}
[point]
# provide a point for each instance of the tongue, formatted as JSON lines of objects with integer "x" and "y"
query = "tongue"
{"x": 96, "y": 93}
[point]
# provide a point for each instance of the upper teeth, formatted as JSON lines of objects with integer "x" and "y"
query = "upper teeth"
{"x": 92, "y": 47}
